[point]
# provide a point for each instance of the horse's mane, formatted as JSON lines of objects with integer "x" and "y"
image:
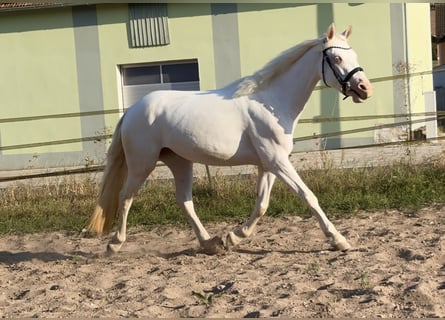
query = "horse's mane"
{"x": 273, "y": 68}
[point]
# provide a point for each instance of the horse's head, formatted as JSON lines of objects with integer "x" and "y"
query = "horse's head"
{"x": 340, "y": 69}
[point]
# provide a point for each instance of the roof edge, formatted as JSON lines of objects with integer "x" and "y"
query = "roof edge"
{"x": 20, "y": 6}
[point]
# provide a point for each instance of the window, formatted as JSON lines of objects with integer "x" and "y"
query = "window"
{"x": 161, "y": 73}
{"x": 139, "y": 80}
{"x": 141, "y": 75}
{"x": 148, "y": 25}
{"x": 180, "y": 72}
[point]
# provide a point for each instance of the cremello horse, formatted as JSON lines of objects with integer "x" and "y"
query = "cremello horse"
{"x": 251, "y": 121}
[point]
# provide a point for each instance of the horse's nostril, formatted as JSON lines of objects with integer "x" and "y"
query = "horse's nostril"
{"x": 362, "y": 87}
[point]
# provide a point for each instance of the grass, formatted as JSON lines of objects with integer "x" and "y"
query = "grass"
{"x": 341, "y": 192}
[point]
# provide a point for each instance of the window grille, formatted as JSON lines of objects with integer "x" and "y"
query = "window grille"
{"x": 439, "y": 19}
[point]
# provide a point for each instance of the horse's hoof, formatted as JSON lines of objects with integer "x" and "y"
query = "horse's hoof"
{"x": 232, "y": 240}
{"x": 212, "y": 246}
{"x": 341, "y": 245}
{"x": 113, "y": 248}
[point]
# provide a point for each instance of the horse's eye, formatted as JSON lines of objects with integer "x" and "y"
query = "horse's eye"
{"x": 338, "y": 59}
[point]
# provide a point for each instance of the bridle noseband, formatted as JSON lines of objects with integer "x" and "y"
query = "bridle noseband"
{"x": 345, "y": 85}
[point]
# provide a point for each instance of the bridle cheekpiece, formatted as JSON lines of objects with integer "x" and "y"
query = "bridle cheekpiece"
{"x": 345, "y": 84}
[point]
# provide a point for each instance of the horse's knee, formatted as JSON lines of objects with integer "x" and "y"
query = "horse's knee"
{"x": 311, "y": 200}
{"x": 183, "y": 200}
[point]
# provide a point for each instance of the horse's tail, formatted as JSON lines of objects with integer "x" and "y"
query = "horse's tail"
{"x": 112, "y": 181}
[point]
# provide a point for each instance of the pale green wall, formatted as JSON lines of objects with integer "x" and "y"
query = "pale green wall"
{"x": 372, "y": 42}
{"x": 38, "y": 78}
{"x": 267, "y": 29}
{"x": 420, "y": 60}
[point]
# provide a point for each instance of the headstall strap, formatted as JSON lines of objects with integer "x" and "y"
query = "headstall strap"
{"x": 345, "y": 85}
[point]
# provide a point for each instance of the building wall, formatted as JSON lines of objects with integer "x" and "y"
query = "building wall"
{"x": 39, "y": 78}
{"x": 418, "y": 60}
{"x": 66, "y": 60}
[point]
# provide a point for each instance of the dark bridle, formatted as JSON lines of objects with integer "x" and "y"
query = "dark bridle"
{"x": 345, "y": 85}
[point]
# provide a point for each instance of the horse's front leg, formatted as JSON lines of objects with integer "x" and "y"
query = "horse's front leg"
{"x": 285, "y": 171}
{"x": 264, "y": 187}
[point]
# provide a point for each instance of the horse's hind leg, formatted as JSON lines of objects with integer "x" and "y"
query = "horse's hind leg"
{"x": 264, "y": 187}
{"x": 182, "y": 170}
{"x": 134, "y": 181}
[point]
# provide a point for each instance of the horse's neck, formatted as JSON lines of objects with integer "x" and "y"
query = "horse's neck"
{"x": 289, "y": 92}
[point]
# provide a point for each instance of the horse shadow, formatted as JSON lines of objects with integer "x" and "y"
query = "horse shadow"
{"x": 268, "y": 251}
{"x": 7, "y": 257}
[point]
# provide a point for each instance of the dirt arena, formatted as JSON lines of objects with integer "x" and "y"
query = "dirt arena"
{"x": 396, "y": 269}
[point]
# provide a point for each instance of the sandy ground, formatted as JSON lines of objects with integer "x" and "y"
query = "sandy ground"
{"x": 396, "y": 269}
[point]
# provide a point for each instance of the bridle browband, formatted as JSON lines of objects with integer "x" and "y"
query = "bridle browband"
{"x": 345, "y": 85}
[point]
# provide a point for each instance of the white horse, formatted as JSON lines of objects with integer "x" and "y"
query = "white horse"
{"x": 251, "y": 121}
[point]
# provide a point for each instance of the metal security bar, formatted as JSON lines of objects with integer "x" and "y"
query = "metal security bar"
{"x": 148, "y": 25}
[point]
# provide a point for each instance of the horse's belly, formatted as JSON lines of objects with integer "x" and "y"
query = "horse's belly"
{"x": 222, "y": 159}
{"x": 217, "y": 151}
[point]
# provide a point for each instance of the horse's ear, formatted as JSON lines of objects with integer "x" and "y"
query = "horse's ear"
{"x": 331, "y": 32}
{"x": 347, "y": 32}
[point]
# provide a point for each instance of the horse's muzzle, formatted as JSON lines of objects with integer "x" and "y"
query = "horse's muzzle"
{"x": 360, "y": 90}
